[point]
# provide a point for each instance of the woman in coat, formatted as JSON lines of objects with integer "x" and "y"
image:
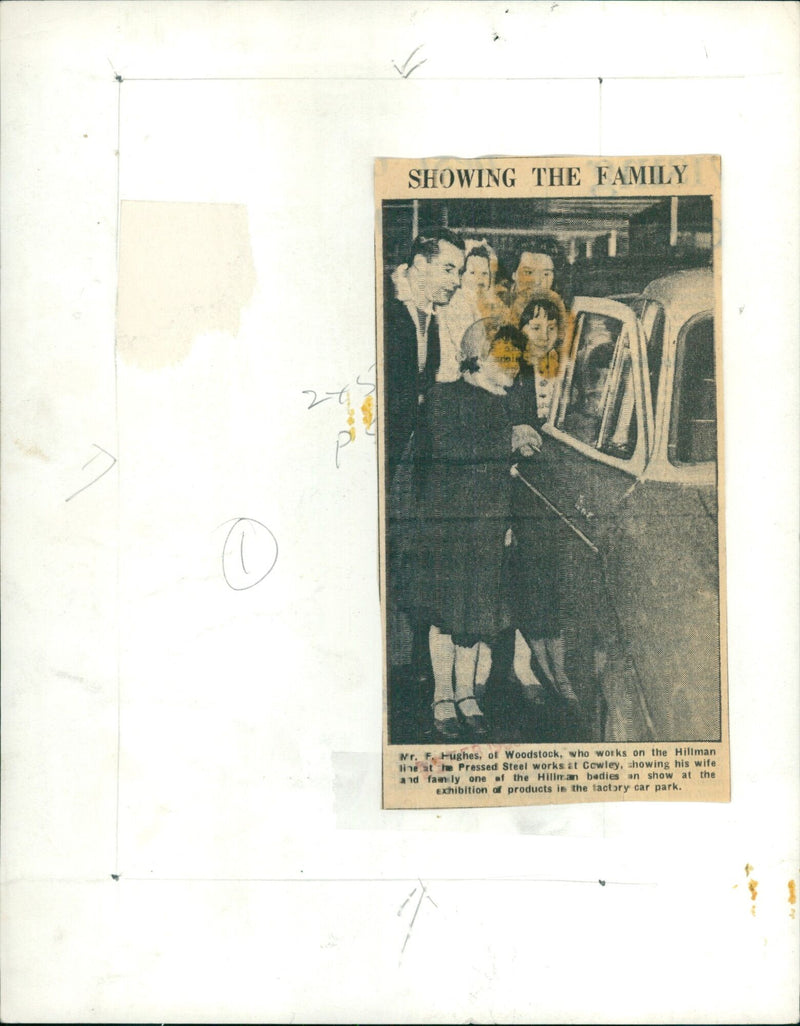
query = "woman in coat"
{"x": 465, "y": 516}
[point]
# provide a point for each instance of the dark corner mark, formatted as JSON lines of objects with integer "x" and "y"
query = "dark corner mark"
{"x": 115, "y": 876}
{"x": 602, "y": 883}
{"x": 118, "y": 78}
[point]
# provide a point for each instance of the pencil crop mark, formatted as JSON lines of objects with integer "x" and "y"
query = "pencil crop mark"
{"x": 422, "y": 896}
{"x": 117, "y": 76}
{"x": 402, "y": 69}
{"x": 101, "y": 451}
{"x": 411, "y": 895}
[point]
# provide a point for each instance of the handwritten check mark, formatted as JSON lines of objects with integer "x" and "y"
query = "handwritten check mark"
{"x": 402, "y": 70}
{"x": 100, "y": 452}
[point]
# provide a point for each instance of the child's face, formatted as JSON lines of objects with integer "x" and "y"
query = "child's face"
{"x": 501, "y": 366}
{"x": 476, "y": 275}
{"x": 541, "y": 335}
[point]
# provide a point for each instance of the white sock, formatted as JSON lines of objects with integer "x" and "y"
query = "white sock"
{"x": 522, "y": 662}
{"x": 484, "y": 667}
{"x": 442, "y": 656}
{"x": 466, "y": 660}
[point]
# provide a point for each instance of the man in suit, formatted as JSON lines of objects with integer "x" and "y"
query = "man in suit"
{"x": 411, "y": 361}
{"x": 411, "y": 333}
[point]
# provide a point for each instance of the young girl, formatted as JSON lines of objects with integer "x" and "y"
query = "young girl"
{"x": 535, "y": 567}
{"x": 543, "y": 323}
{"x": 465, "y": 515}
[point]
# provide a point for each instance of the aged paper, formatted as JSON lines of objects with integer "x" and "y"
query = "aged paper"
{"x": 552, "y": 537}
{"x": 192, "y": 827}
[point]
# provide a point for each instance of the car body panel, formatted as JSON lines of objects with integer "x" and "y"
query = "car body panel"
{"x": 661, "y": 567}
{"x": 637, "y": 537}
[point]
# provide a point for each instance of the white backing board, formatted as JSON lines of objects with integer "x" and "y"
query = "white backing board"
{"x": 191, "y": 796}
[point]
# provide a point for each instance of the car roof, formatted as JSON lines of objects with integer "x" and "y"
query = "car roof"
{"x": 683, "y": 293}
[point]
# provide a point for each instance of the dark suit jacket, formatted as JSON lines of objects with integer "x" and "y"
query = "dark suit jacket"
{"x": 403, "y": 384}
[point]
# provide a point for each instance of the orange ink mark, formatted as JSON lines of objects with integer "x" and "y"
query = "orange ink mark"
{"x": 792, "y": 898}
{"x": 753, "y": 888}
{"x": 368, "y": 412}
{"x": 351, "y": 419}
{"x": 748, "y": 869}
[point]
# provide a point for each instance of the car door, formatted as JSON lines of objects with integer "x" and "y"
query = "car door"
{"x": 661, "y": 562}
{"x": 596, "y": 443}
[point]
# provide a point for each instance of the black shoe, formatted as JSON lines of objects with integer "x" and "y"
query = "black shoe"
{"x": 534, "y": 695}
{"x": 475, "y": 724}
{"x": 447, "y": 729}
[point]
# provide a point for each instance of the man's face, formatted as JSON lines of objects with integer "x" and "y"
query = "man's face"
{"x": 534, "y": 273}
{"x": 441, "y": 276}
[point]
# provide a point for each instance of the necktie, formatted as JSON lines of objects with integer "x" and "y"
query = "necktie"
{"x": 434, "y": 352}
{"x": 422, "y": 345}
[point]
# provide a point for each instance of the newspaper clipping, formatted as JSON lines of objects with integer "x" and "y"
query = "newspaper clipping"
{"x": 552, "y": 548}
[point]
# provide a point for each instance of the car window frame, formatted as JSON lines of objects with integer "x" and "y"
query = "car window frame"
{"x": 674, "y": 400}
{"x": 637, "y": 462}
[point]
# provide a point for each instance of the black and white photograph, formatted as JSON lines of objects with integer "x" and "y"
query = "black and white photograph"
{"x": 550, "y": 456}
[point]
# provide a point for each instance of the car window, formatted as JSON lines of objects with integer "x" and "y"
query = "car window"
{"x": 598, "y": 405}
{"x": 693, "y": 430}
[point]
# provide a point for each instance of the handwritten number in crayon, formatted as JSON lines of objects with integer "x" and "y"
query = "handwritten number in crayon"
{"x": 341, "y": 393}
{"x": 367, "y": 384}
{"x": 315, "y": 402}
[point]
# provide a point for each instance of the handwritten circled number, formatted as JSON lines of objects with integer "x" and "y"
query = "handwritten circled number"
{"x": 249, "y": 554}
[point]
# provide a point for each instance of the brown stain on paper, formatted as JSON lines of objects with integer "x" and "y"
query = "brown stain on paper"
{"x": 31, "y": 450}
{"x": 792, "y": 898}
{"x": 185, "y": 269}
